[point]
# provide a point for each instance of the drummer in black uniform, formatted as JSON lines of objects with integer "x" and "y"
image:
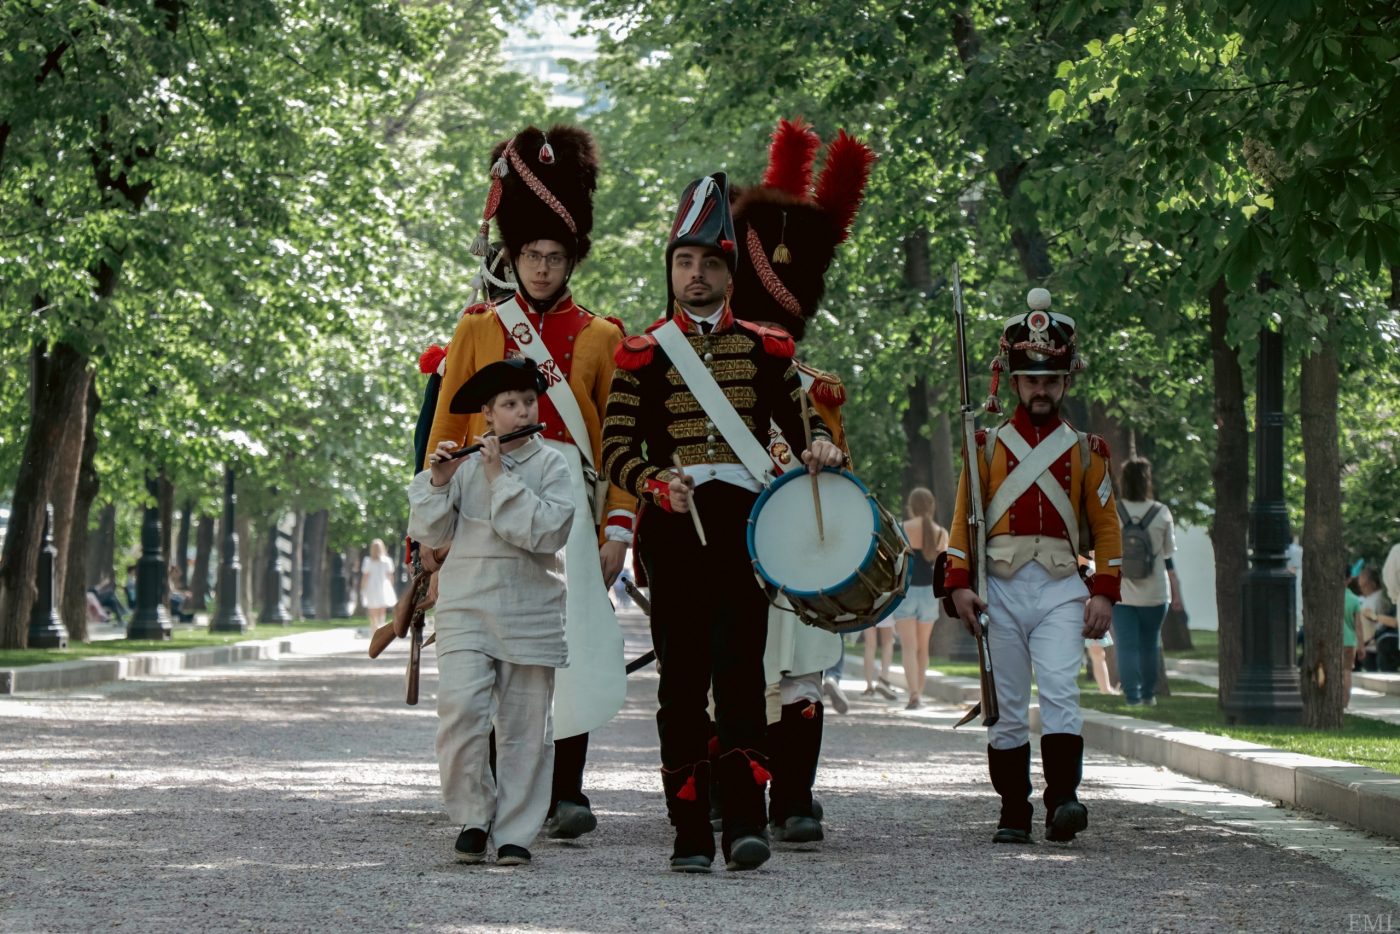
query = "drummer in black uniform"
{"x": 709, "y": 616}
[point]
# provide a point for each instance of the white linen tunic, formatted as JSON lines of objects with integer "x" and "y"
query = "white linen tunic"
{"x": 501, "y": 589}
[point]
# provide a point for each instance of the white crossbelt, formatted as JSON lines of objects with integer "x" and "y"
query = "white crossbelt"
{"x": 1033, "y": 464}
{"x": 560, "y": 393}
{"x": 716, "y": 404}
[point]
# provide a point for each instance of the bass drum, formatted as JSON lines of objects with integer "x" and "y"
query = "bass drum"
{"x": 846, "y": 581}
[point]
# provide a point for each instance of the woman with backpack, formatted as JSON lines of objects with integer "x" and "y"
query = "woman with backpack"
{"x": 1149, "y": 583}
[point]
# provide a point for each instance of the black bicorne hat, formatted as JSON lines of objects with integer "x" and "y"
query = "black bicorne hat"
{"x": 516, "y": 373}
{"x": 702, "y": 219}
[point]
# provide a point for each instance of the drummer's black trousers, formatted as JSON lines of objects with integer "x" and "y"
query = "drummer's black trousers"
{"x": 709, "y": 625}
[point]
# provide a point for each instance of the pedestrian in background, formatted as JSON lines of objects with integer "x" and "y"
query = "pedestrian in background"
{"x": 1149, "y": 583}
{"x": 377, "y": 582}
{"x": 917, "y": 612}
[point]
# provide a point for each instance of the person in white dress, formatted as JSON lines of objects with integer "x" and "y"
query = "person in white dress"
{"x": 377, "y": 582}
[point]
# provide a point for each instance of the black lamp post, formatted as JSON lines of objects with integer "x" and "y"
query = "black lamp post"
{"x": 150, "y": 621}
{"x": 46, "y": 629}
{"x": 1267, "y": 691}
{"x": 228, "y": 617}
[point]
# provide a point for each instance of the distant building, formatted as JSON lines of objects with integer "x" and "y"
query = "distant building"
{"x": 542, "y": 45}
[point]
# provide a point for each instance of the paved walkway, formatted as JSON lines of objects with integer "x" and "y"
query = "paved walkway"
{"x": 301, "y": 795}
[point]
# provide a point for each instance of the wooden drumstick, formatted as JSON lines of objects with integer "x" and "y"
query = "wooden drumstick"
{"x": 816, "y": 477}
{"x": 699, "y": 529}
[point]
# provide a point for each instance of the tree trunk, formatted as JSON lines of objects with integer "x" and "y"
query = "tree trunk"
{"x": 313, "y": 606}
{"x": 59, "y": 383}
{"x": 165, "y": 503}
{"x": 298, "y": 539}
{"x": 1229, "y": 528}
{"x": 182, "y": 544}
{"x": 63, "y": 493}
{"x": 75, "y": 586}
{"x": 102, "y": 547}
{"x": 1324, "y": 551}
{"x": 1119, "y": 436}
{"x": 203, "y": 551}
{"x": 250, "y": 549}
{"x": 928, "y": 460}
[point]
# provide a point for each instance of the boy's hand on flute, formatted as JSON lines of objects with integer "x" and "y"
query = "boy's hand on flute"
{"x": 441, "y": 466}
{"x": 490, "y": 456}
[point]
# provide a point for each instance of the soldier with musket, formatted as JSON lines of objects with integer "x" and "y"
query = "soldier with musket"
{"x": 1047, "y": 497}
{"x": 686, "y": 432}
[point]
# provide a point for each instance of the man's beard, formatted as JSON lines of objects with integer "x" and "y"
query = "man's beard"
{"x": 1040, "y": 418}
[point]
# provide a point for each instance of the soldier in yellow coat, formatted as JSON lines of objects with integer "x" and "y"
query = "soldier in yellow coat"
{"x": 1047, "y": 498}
{"x": 542, "y": 200}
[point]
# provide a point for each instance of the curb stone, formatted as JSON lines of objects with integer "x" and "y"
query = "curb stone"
{"x": 53, "y": 676}
{"x": 1365, "y": 798}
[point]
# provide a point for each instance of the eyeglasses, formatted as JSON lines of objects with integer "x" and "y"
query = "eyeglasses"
{"x": 552, "y": 260}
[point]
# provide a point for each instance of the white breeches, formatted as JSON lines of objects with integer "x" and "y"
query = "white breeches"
{"x": 476, "y": 691}
{"x": 1037, "y": 622}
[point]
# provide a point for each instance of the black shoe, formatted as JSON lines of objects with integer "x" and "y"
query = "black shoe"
{"x": 1012, "y": 835}
{"x": 696, "y": 863}
{"x": 796, "y": 830}
{"x": 1069, "y": 819}
{"x": 716, "y": 817}
{"x": 748, "y": 853}
{"x": 471, "y": 845}
{"x": 570, "y": 821}
{"x": 512, "y": 855}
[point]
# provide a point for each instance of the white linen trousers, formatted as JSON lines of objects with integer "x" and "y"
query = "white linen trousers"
{"x": 475, "y": 691}
{"x": 1037, "y": 622}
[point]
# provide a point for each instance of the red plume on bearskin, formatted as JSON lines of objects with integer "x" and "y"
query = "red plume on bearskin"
{"x": 842, "y": 183}
{"x": 791, "y": 156}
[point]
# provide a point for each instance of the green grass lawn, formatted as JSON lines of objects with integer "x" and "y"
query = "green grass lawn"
{"x": 1193, "y": 705}
{"x": 183, "y": 638}
{"x": 1205, "y": 644}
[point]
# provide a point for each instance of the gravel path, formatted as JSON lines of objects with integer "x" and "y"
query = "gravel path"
{"x": 302, "y": 795}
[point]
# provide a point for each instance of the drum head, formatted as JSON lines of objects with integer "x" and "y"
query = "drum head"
{"x": 783, "y": 538}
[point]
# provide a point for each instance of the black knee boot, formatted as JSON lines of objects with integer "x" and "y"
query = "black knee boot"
{"x": 688, "y": 806}
{"x": 794, "y": 743}
{"x": 1062, "y": 755}
{"x": 1011, "y": 777}
{"x": 742, "y": 777}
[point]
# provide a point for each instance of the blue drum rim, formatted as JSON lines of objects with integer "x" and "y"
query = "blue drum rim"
{"x": 789, "y": 477}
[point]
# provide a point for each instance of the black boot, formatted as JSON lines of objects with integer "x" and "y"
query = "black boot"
{"x": 1062, "y": 755}
{"x": 742, "y": 777}
{"x": 1011, "y": 777}
{"x": 794, "y": 742}
{"x": 688, "y": 806}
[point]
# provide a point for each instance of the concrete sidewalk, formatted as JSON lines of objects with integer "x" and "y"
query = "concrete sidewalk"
{"x": 85, "y": 672}
{"x": 1362, "y": 797}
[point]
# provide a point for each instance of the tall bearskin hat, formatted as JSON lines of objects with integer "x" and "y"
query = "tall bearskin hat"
{"x": 789, "y": 227}
{"x": 1038, "y": 341}
{"x": 542, "y": 187}
{"x": 703, "y": 219}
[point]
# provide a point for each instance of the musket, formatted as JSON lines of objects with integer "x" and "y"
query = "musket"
{"x": 649, "y": 656}
{"x": 976, "y": 524}
{"x": 415, "y": 629}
